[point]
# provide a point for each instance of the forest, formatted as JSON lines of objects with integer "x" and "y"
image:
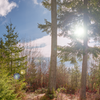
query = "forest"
{"x": 26, "y": 75}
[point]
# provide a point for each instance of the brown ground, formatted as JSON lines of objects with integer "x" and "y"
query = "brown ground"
{"x": 60, "y": 96}
{"x": 32, "y": 96}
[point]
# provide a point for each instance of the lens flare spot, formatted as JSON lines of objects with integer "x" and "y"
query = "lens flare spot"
{"x": 22, "y": 72}
{"x": 16, "y": 76}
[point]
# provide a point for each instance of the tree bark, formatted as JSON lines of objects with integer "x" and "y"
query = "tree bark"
{"x": 83, "y": 77}
{"x": 53, "y": 62}
{"x": 84, "y": 64}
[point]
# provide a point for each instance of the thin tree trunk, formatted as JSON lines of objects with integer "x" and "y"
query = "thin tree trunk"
{"x": 53, "y": 62}
{"x": 39, "y": 80}
{"x": 76, "y": 81}
{"x": 11, "y": 62}
{"x": 84, "y": 64}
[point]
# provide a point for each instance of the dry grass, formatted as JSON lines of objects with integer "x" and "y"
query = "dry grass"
{"x": 62, "y": 96}
{"x": 32, "y": 96}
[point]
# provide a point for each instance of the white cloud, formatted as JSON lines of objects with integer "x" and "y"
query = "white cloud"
{"x": 35, "y": 2}
{"x": 46, "y": 50}
{"x": 6, "y": 7}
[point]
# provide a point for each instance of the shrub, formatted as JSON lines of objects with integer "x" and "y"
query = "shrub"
{"x": 69, "y": 89}
{"x": 61, "y": 90}
{"x": 51, "y": 95}
{"x": 10, "y": 89}
{"x": 6, "y": 88}
{"x": 19, "y": 88}
{"x": 45, "y": 98}
{"x": 41, "y": 90}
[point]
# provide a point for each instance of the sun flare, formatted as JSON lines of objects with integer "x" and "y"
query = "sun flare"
{"x": 79, "y": 31}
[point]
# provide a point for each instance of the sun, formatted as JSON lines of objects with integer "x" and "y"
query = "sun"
{"x": 79, "y": 31}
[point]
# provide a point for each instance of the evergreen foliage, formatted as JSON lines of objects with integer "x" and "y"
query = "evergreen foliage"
{"x": 6, "y": 88}
{"x": 10, "y": 89}
{"x": 10, "y": 63}
{"x": 69, "y": 14}
{"x": 11, "y": 51}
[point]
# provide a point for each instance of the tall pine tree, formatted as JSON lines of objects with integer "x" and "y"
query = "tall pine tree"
{"x": 12, "y": 55}
{"x": 53, "y": 62}
{"x": 83, "y": 13}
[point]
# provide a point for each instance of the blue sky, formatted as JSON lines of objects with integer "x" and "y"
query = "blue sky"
{"x": 24, "y": 14}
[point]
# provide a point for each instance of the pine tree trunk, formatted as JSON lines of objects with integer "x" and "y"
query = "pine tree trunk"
{"x": 83, "y": 77}
{"x": 84, "y": 64}
{"x": 52, "y": 73}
